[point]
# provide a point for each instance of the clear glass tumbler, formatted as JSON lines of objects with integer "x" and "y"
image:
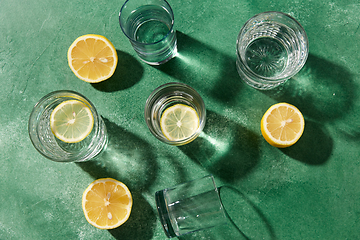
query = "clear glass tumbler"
{"x": 190, "y": 207}
{"x": 50, "y": 146}
{"x": 167, "y": 96}
{"x": 271, "y": 48}
{"x": 149, "y": 25}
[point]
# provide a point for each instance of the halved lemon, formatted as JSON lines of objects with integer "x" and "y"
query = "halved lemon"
{"x": 282, "y": 125}
{"x": 92, "y": 58}
{"x": 71, "y": 121}
{"x": 107, "y": 203}
{"x": 179, "y": 122}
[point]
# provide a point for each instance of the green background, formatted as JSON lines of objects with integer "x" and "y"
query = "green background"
{"x": 307, "y": 191}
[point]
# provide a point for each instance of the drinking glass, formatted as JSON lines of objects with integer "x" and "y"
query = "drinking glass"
{"x": 149, "y": 25}
{"x": 271, "y": 48}
{"x": 53, "y": 148}
{"x": 168, "y": 95}
{"x": 190, "y": 207}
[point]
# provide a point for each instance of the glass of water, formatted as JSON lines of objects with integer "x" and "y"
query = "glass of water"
{"x": 174, "y": 96}
{"x": 149, "y": 25}
{"x": 271, "y": 48}
{"x": 190, "y": 207}
{"x": 53, "y": 148}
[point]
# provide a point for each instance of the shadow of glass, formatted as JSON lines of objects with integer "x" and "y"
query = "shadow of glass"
{"x": 314, "y": 147}
{"x": 221, "y": 232}
{"x": 245, "y": 215}
{"x": 204, "y": 68}
{"x": 126, "y": 158}
{"x": 174, "y": 164}
{"x": 352, "y": 135}
{"x": 127, "y": 73}
{"x": 141, "y": 223}
{"x": 225, "y": 148}
{"x": 321, "y": 90}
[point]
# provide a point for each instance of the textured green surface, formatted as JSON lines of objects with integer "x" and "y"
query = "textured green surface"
{"x": 308, "y": 191}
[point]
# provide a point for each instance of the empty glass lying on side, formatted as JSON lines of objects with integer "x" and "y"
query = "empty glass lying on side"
{"x": 271, "y": 48}
{"x": 67, "y": 146}
{"x": 149, "y": 25}
{"x": 190, "y": 207}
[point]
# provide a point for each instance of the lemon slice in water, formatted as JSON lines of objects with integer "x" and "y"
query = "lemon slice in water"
{"x": 179, "y": 122}
{"x": 71, "y": 121}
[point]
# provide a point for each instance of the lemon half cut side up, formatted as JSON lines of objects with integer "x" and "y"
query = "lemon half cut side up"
{"x": 92, "y": 58}
{"x": 107, "y": 203}
{"x": 282, "y": 125}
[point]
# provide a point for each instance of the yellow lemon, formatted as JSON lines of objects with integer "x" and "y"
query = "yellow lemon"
{"x": 92, "y": 58}
{"x": 107, "y": 203}
{"x": 282, "y": 125}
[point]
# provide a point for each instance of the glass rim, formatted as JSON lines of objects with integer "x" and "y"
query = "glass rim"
{"x": 148, "y": 44}
{"x": 63, "y": 91}
{"x": 276, "y": 13}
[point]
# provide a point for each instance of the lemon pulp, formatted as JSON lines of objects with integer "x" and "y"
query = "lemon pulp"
{"x": 92, "y": 58}
{"x": 179, "y": 122}
{"x": 107, "y": 203}
{"x": 71, "y": 121}
{"x": 282, "y": 125}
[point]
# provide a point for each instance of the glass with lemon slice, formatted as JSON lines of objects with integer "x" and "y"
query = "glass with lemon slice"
{"x": 64, "y": 126}
{"x": 175, "y": 113}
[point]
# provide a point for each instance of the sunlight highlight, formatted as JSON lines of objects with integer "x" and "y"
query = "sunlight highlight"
{"x": 220, "y": 146}
{"x": 188, "y": 60}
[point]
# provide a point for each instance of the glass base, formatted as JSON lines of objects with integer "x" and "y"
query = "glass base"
{"x": 260, "y": 85}
{"x": 173, "y": 54}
